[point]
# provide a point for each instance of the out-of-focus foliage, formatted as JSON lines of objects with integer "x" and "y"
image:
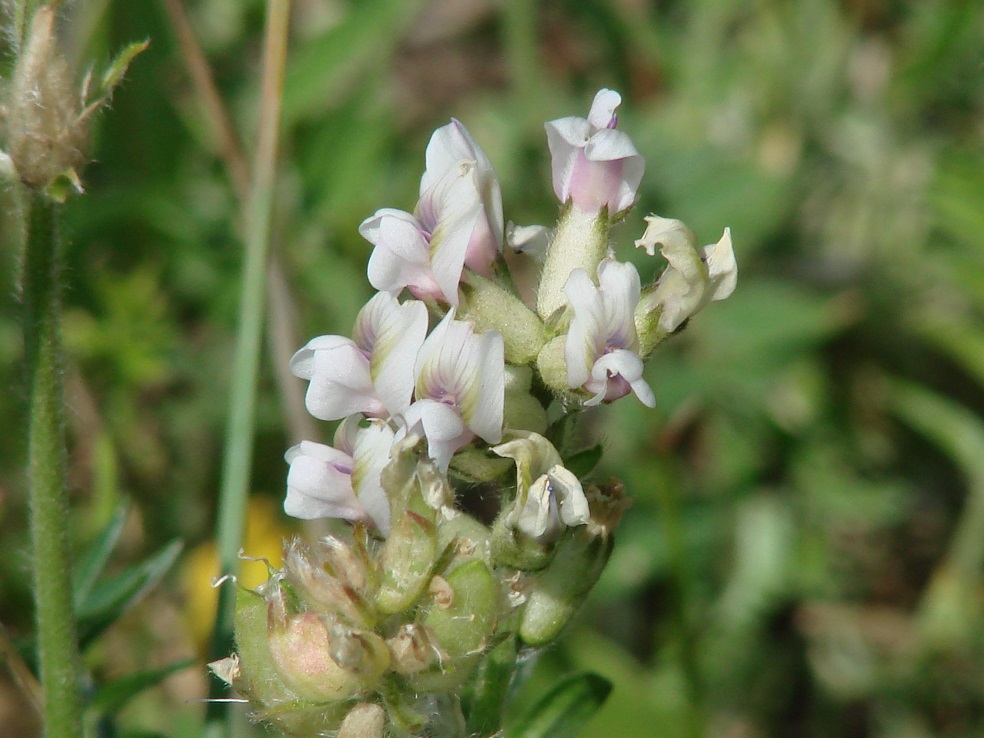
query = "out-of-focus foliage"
{"x": 806, "y": 549}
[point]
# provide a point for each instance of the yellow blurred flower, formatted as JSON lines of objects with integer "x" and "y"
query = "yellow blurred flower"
{"x": 265, "y": 534}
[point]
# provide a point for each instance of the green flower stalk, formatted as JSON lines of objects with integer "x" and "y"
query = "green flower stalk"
{"x": 57, "y": 640}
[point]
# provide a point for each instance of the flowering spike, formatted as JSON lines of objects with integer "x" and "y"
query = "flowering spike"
{"x": 379, "y": 634}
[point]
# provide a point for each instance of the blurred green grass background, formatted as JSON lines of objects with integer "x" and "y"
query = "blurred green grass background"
{"x": 805, "y": 553}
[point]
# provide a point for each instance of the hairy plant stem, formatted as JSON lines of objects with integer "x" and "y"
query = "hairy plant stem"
{"x": 57, "y": 641}
{"x": 242, "y": 401}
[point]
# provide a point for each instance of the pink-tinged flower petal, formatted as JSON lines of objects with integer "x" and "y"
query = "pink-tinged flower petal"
{"x": 451, "y": 210}
{"x": 457, "y": 222}
{"x": 449, "y": 147}
{"x": 441, "y": 425}
{"x": 601, "y": 350}
{"x": 566, "y": 138}
{"x": 392, "y": 334}
{"x": 483, "y": 408}
{"x": 619, "y": 284}
{"x": 371, "y": 454}
{"x": 615, "y": 171}
{"x": 401, "y": 257}
{"x": 302, "y": 362}
{"x": 326, "y": 482}
{"x": 465, "y": 371}
{"x": 602, "y": 114}
{"x": 436, "y": 374}
{"x": 586, "y": 335}
{"x": 319, "y": 483}
{"x": 594, "y": 166}
{"x": 340, "y": 380}
{"x": 614, "y": 375}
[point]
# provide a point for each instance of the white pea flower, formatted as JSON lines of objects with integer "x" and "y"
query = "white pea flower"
{"x": 548, "y": 496}
{"x": 372, "y": 374}
{"x": 457, "y": 222}
{"x": 341, "y": 482}
{"x": 602, "y": 348}
{"x": 450, "y": 147}
{"x": 594, "y": 165}
{"x": 695, "y": 276}
{"x": 460, "y": 388}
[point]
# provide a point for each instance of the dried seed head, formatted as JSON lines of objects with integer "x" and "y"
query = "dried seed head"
{"x": 413, "y": 649}
{"x": 48, "y": 133}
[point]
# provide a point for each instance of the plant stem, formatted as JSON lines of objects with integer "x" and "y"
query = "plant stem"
{"x": 282, "y": 310}
{"x": 239, "y": 430}
{"x": 57, "y": 641}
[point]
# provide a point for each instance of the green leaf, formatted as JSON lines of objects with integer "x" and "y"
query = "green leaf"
{"x": 946, "y": 614}
{"x": 565, "y": 709}
{"x": 583, "y": 462}
{"x": 93, "y": 559}
{"x": 110, "y": 598}
{"x": 488, "y": 688}
{"x": 112, "y": 697}
{"x": 117, "y": 68}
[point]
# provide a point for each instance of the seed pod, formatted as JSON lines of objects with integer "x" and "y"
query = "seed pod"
{"x": 365, "y": 720}
{"x": 406, "y": 562}
{"x": 462, "y": 617}
{"x": 304, "y": 654}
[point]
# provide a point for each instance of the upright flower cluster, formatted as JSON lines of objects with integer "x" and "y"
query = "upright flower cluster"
{"x": 449, "y": 380}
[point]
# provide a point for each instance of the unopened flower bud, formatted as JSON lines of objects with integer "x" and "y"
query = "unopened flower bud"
{"x": 329, "y": 577}
{"x": 304, "y": 654}
{"x": 461, "y": 619}
{"x": 47, "y": 135}
{"x": 490, "y": 306}
{"x": 522, "y": 410}
{"x": 580, "y": 558}
{"x": 531, "y": 240}
{"x": 551, "y": 364}
{"x": 365, "y": 720}
{"x": 406, "y": 562}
